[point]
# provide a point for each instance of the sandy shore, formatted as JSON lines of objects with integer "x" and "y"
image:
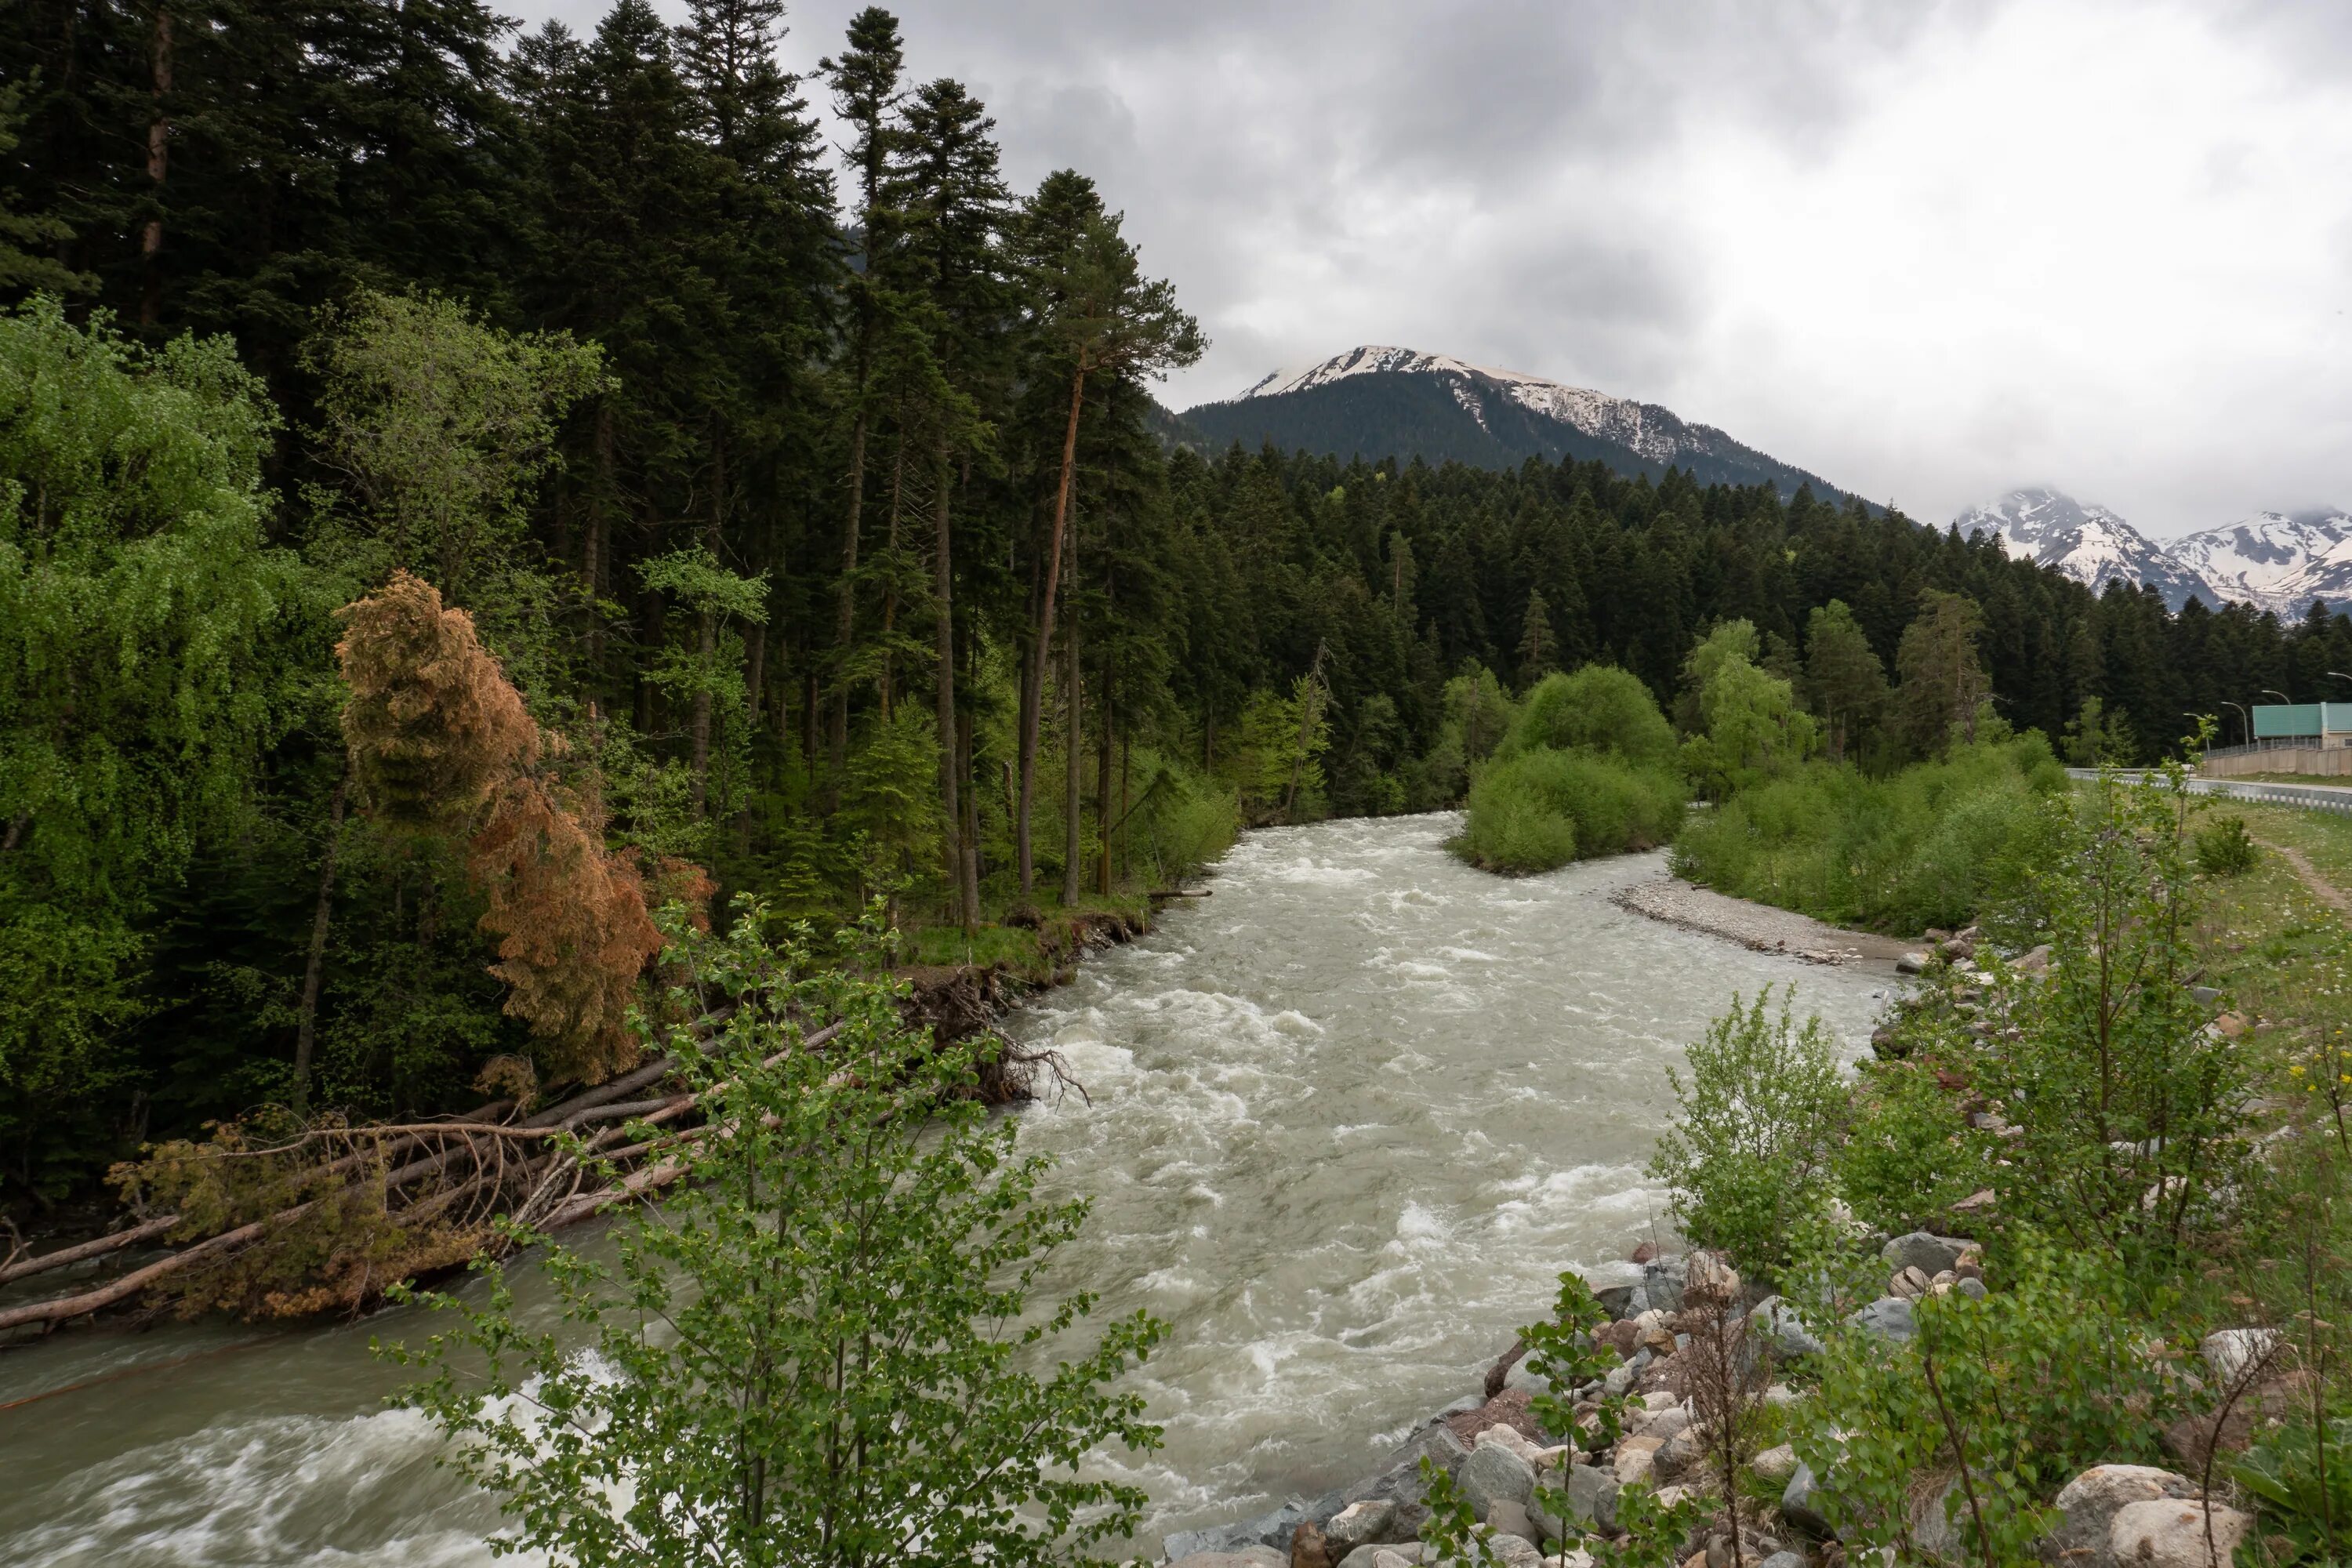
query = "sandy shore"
{"x": 1757, "y": 926}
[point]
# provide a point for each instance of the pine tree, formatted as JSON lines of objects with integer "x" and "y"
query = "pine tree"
{"x": 1096, "y": 314}
{"x": 1536, "y": 642}
{"x": 865, "y": 80}
{"x": 1942, "y": 681}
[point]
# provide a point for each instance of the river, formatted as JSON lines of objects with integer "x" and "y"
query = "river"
{"x": 1346, "y": 1122}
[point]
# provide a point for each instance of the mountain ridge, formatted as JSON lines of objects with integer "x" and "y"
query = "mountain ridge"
{"x": 1381, "y": 401}
{"x": 2274, "y": 561}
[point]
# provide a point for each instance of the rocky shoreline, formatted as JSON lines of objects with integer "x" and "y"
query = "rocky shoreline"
{"x": 1498, "y": 1459}
{"x": 1759, "y": 927}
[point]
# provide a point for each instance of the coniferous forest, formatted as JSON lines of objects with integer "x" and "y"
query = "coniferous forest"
{"x": 804, "y": 478}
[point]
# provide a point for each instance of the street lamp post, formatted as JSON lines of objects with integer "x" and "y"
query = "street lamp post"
{"x": 2244, "y": 723}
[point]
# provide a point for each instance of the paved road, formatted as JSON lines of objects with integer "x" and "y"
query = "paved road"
{"x": 2311, "y": 797}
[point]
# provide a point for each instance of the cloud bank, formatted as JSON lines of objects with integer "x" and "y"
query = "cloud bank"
{"x": 1931, "y": 252}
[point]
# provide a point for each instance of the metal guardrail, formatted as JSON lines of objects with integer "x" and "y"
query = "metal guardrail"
{"x": 2310, "y": 797}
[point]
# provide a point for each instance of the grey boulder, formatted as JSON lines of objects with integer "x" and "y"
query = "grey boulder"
{"x": 1406, "y": 1552}
{"x": 1801, "y": 1502}
{"x": 2092, "y": 1501}
{"x": 1929, "y": 1254}
{"x": 1247, "y": 1557}
{"x": 1662, "y": 1281}
{"x": 1615, "y": 1286}
{"x": 1272, "y": 1531}
{"x": 1495, "y": 1475}
{"x": 2170, "y": 1534}
{"x": 1399, "y": 1481}
{"x": 1783, "y": 1329}
{"x": 1366, "y": 1523}
{"x": 1888, "y": 1318}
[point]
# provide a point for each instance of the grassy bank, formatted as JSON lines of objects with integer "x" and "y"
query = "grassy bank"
{"x": 2137, "y": 1137}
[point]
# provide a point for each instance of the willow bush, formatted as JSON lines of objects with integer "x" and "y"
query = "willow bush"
{"x": 1931, "y": 846}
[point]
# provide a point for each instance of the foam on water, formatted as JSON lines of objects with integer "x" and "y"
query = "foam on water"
{"x": 1419, "y": 1093}
{"x": 1350, "y": 1118}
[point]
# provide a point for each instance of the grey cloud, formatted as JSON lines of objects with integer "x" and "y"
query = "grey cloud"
{"x": 1526, "y": 183}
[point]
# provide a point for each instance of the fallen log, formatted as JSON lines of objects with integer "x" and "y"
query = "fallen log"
{"x": 98, "y": 1247}
{"x": 60, "y": 1309}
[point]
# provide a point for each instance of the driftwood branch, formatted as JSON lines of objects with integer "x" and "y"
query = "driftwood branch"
{"x": 540, "y": 1186}
{"x": 150, "y": 1231}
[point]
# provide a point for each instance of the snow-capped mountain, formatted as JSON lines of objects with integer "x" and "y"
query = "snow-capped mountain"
{"x": 1380, "y": 401}
{"x": 2273, "y": 560}
{"x": 1656, "y": 432}
{"x": 2276, "y": 561}
{"x": 2089, "y": 544}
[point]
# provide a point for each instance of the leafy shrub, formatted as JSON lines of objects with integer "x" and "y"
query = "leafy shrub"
{"x": 1598, "y": 708}
{"x": 1938, "y": 844}
{"x": 1908, "y": 1156}
{"x": 2224, "y": 847}
{"x": 2301, "y": 1475}
{"x": 2011, "y": 1396}
{"x": 2134, "y": 1114}
{"x": 1749, "y": 1161}
{"x": 805, "y": 1357}
{"x": 1540, "y": 809}
{"x": 1513, "y": 829}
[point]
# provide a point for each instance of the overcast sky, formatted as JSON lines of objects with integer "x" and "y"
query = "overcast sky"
{"x": 1930, "y": 253}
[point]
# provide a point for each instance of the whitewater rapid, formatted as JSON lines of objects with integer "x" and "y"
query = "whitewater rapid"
{"x": 1345, "y": 1122}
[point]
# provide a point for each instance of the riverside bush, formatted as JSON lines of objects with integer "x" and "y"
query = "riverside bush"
{"x": 1599, "y": 708}
{"x": 2010, "y": 1397}
{"x": 2224, "y": 847}
{"x": 1936, "y": 844}
{"x": 818, "y": 1352}
{"x": 1749, "y": 1160}
{"x": 1908, "y": 1156}
{"x": 1540, "y": 809}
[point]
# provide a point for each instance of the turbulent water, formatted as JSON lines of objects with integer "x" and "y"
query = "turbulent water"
{"x": 1350, "y": 1117}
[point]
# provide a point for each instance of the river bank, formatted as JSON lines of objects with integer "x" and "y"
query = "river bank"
{"x": 94, "y": 1262}
{"x": 1761, "y": 928}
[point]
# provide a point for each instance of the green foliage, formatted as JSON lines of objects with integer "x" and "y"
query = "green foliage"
{"x": 891, "y": 798}
{"x": 438, "y": 425}
{"x": 148, "y": 643}
{"x": 2300, "y": 1475}
{"x": 2224, "y": 847}
{"x": 1564, "y": 1353}
{"x": 821, "y": 1351}
{"x": 2134, "y": 1112}
{"x": 1180, "y": 823}
{"x": 1282, "y": 744}
{"x": 1452, "y": 1532}
{"x": 1475, "y": 714}
{"x": 1936, "y": 845}
{"x": 1535, "y": 811}
{"x": 2004, "y": 1400}
{"x": 1908, "y": 1155}
{"x": 2097, "y": 738}
{"x": 1751, "y": 728}
{"x": 1748, "y": 1162}
{"x": 1944, "y": 686}
{"x": 1845, "y": 682}
{"x": 1598, "y": 708}
{"x": 24, "y": 235}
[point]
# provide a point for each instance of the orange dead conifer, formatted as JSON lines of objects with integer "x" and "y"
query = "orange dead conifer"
{"x": 440, "y": 740}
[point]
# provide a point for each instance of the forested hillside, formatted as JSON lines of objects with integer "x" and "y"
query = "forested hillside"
{"x": 816, "y": 515}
